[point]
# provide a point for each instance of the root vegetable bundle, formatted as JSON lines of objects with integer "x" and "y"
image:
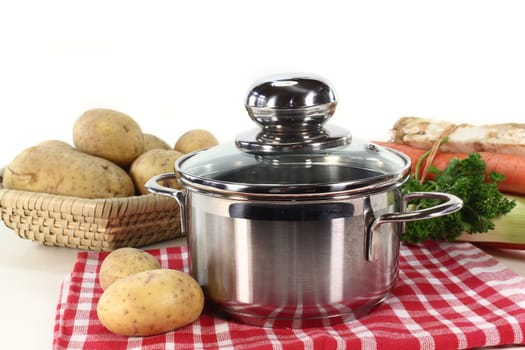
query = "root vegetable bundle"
{"x": 495, "y": 206}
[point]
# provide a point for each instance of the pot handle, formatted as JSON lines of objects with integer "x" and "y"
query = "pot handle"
{"x": 153, "y": 186}
{"x": 450, "y": 205}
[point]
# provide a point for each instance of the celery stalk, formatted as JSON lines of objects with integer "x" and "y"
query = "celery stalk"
{"x": 509, "y": 230}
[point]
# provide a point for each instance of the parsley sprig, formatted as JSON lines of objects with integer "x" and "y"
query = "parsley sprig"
{"x": 465, "y": 178}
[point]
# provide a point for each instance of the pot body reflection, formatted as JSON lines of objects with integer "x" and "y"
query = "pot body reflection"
{"x": 292, "y": 263}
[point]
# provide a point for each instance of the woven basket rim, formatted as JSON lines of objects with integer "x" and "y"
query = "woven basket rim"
{"x": 99, "y": 224}
{"x": 51, "y": 195}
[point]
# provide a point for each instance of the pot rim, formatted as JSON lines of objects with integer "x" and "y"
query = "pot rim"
{"x": 292, "y": 191}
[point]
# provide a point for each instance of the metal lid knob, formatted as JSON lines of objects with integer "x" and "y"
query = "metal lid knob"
{"x": 291, "y": 111}
{"x": 288, "y": 91}
{"x": 288, "y": 103}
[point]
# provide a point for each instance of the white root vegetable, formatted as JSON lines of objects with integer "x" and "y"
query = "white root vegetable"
{"x": 508, "y": 138}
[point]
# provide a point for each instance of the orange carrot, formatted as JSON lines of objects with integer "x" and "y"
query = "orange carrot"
{"x": 512, "y": 166}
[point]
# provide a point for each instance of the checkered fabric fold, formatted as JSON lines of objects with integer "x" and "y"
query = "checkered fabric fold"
{"x": 448, "y": 296}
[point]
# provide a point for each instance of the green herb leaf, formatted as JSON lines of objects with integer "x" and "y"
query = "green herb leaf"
{"x": 482, "y": 201}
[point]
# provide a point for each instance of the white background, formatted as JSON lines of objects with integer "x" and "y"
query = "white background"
{"x": 177, "y": 65}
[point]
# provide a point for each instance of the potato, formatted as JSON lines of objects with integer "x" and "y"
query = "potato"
{"x": 60, "y": 169}
{"x": 150, "y": 302}
{"x": 108, "y": 134}
{"x": 151, "y": 163}
{"x": 195, "y": 140}
{"x": 153, "y": 142}
{"x": 123, "y": 262}
{"x": 55, "y": 143}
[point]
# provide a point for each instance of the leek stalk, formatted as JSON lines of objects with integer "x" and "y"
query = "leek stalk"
{"x": 509, "y": 231}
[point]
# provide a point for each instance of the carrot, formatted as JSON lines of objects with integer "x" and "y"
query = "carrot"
{"x": 512, "y": 166}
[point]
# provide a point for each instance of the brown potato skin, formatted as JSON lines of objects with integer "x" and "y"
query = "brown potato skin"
{"x": 195, "y": 140}
{"x": 154, "y": 162}
{"x": 152, "y": 142}
{"x": 123, "y": 262}
{"x": 150, "y": 302}
{"x": 108, "y": 134}
{"x": 55, "y": 143}
{"x": 58, "y": 169}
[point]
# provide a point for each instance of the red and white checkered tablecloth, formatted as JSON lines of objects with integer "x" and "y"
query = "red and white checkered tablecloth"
{"x": 448, "y": 296}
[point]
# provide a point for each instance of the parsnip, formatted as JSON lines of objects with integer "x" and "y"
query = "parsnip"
{"x": 508, "y": 138}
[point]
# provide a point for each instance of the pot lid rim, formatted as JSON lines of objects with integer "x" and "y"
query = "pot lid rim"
{"x": 360, "y": 185}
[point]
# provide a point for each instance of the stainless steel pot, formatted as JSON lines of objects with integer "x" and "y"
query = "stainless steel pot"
{"x": 295, "y": 224}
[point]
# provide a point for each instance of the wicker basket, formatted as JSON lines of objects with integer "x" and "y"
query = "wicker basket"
{"x": 90, "y": 224}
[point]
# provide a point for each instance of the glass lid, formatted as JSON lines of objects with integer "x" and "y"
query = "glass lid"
{"x": 293, "y": 152}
